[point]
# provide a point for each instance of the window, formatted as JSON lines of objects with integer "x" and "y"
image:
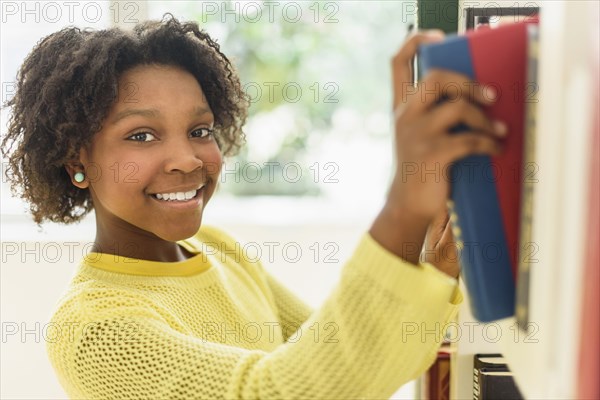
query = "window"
{"x": 318, "y": 77}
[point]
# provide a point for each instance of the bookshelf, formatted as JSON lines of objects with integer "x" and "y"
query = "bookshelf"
{"x": 545, "y": 357}
{"x": 549, "y": 368}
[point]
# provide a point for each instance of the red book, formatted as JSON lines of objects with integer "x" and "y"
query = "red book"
{"x": 437, "y": 378}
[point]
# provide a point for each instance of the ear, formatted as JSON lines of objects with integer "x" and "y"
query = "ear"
{"x": 75, "y": 166}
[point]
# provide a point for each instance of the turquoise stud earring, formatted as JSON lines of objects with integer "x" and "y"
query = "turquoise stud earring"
{"x": 79, "y": 177}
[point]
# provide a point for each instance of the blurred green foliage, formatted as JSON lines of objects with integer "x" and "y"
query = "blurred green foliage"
{"x": 301, "y": 63}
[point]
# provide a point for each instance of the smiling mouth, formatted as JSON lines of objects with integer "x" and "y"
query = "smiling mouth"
{"x": 177, "y": 196}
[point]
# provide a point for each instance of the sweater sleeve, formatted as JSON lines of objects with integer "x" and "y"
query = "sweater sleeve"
{"x": 292, "y": 310}
{"x": 379, "y": 328}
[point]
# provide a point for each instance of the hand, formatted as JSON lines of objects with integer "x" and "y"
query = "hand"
{"x": 439, "y": 248}
{"x": 423, "y": 146}
{"x": 425, "y": 149}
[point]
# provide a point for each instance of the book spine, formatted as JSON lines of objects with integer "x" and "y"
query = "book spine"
{"x": 527, "y": 248}
{"x": 437, "y": 379}
{"x": 478, "y": 227}
{"x": 476, "y": 388}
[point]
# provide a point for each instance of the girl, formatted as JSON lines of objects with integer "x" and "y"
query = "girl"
{"x": 163, "y": 307}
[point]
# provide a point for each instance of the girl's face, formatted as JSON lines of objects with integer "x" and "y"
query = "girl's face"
{"x": 155, "y": 142}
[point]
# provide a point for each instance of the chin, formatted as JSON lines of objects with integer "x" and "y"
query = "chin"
{"x": 179, "y": 234}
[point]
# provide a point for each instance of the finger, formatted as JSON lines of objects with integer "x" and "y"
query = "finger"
{"x": 440, "y": 218}
{"x": 449, "y": 148}
{"x": 449, "y": 114}
{"x": 446, "y": 236}
{"x": 449, "y": 248}
{"x": 402, "y": 62}
{"x": 437, "y": 226}
{"x": 443, "y": 217}
{"x": 439, "y": 84}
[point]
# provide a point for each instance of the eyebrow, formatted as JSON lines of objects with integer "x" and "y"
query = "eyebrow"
{"x": 153, "y": 113}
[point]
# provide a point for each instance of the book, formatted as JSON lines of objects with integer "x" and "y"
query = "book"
{"x": 498, "y": 385}
{"x": 528, "y": 248}
{"x": 490, "y": 362}
{"x": 485, "y": 195}
{"x": 437, "y": 378}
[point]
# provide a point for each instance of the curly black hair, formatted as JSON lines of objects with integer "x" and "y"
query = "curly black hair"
{"x": 67, "y": 85}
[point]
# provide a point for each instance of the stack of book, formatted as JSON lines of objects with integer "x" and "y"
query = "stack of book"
{"x": 490, "y": 200}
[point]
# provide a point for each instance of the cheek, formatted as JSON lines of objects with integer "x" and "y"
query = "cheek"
{"x": 213, "y": 161}
{"x": 118, "y": 172}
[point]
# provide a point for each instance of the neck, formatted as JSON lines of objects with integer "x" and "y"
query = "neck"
{"x": 133, "y": 242}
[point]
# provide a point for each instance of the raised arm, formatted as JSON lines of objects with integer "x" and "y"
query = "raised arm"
{"x": 380, "y": 328}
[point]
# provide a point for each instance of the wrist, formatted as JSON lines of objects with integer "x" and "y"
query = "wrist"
{"x": 400, "y": 232}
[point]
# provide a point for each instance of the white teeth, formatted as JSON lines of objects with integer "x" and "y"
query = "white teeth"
{"x": 178, "y": 196}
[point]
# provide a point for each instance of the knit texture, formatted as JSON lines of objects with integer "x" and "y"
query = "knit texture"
{"x": 219, "y": 326}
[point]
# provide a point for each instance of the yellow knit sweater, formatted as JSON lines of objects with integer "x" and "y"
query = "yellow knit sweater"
{"x": 218, "y": 326}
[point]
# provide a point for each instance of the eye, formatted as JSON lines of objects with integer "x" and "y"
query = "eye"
{"x": 204, "y": 132}
{"x": 142, "y": 137}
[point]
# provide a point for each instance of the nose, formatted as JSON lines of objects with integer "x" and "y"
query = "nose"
{"x": 182, "y": 156}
